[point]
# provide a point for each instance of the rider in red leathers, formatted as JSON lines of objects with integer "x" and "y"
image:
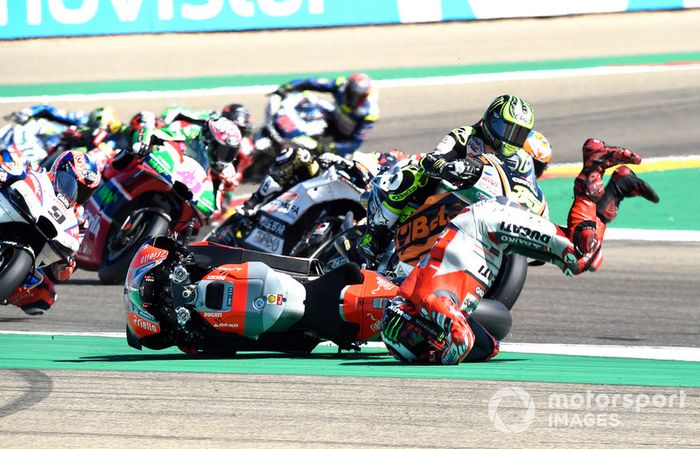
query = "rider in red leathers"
{"x": 429, "y": 321}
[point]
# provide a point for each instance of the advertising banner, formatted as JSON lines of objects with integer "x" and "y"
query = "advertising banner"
{"x": 51, "y": 18}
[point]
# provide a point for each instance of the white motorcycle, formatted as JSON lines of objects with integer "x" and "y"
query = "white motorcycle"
{"x": 302, "y": 219}
{"x": 38, "y": 227}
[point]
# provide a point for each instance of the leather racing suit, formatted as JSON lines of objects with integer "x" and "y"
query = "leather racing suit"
{"x": 348, "y": 126}
{"x": 449, "y": 282}
{"x": 453, "y": 160}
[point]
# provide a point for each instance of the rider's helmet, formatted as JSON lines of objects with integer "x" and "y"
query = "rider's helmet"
{"x": 104, "y": 118}
{"x": 240, "y": 115}
{"x": 76, "y": 176}
{"x": 541, "y": 151}
{"x": 507, "y": 123}
{"x": 357, "y": 89}
{"x": 143, "y": 119}
{"x": 222, "y": 139}
{"x": 408, "y": 336}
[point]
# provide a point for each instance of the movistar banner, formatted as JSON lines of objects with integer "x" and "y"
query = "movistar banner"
{"x": 46, "y": 18}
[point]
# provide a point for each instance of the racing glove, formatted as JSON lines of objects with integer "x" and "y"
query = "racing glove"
{"x": 61, "y": 271}
{"x": 462, "y": 171}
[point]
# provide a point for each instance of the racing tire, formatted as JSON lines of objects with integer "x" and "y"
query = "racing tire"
{"x": 495, "y": 318}
{"x": 15, "y": 264}
{"x": 116, "y": 263}
{"x": 510, "y": 280}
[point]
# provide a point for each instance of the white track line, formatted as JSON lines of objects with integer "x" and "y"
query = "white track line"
{"x": 400, "y": 82}
{"x": 686, "y": 354}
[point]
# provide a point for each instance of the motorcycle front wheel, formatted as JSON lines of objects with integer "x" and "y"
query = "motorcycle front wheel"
{"x": 15, "y": 264}
{"x": 124, "y": 242}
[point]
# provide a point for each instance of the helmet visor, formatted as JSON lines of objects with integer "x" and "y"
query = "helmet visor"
{"x": 66, "y": 184}
{"x": 507, "y": 132}
{"x": 223, "y": 153}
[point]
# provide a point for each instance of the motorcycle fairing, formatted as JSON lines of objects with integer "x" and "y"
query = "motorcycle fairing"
{"x": 289, "y": 207}
{"x": 420, "y": 231}
{"x": 300, "y": 114}
{"x": 364, "y": 303}
{"x": 174, "y": 166}
{"x": 249, "y": 299}
{"x": 138, "y": 320}
{"x": 44, "y": 206}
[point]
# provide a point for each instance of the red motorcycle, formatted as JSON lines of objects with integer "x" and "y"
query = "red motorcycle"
{"x": 157, "y": 194}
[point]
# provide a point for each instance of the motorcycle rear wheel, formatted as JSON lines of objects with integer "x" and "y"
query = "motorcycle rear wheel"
{"x": 509, "y": 281}
{"x": 15, "y": 264}
{"x": 116, "y": 262}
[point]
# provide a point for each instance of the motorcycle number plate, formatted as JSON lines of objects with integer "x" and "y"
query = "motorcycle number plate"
{"x": 266, "y": 241}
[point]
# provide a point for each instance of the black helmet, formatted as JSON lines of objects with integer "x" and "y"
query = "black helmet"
{"x": 222, "y": 139}
{"x": 240, "y": 115}
{"x": 507, "y": 123}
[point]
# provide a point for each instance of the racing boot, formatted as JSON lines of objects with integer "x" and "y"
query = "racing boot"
{"x": 268, "y": 189}
{"x": 35, "y": 296}
{"x": 250, "y": 206}
{"x": 597, "y": 157}
{"x": 624, "y": 183}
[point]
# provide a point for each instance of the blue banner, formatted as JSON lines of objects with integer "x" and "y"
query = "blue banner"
{"x": 50, "y": 18}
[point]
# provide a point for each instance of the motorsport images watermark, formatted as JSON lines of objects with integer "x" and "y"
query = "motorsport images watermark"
{"x": 512, "y": 409}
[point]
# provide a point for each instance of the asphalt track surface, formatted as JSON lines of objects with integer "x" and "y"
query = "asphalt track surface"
{"x": 645, "y": 294}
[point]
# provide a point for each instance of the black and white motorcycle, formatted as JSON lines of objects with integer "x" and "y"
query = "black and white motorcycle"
{"x": 37, "y": 228}
{"x": 303, "y": 218}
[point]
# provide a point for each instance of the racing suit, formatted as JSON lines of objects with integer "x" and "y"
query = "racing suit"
{"x": 348, "y": 126}
{"x": 37, "y": 293}
{"x": 449, "y": 282}
{"x": 453, "y": 160}
{"x": 244, "y": 157}
{"x": 75, "y": 132}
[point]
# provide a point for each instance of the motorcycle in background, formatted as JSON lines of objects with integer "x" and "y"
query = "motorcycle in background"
{"x": 31, "y": 141}
{"x": 158, "y": 194}
{"x": 299, "y": 117}
{"x": 303, "y": 218}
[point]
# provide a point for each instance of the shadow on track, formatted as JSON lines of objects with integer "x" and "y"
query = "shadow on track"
{"x": 244, "y": 356}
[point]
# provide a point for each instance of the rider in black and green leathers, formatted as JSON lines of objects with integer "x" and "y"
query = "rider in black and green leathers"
{"x": 503, "y": 129}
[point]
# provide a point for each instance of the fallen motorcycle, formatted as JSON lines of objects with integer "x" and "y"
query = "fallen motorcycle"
{"x": 209, "y": 298}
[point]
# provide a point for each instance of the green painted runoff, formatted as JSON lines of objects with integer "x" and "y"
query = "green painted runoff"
{"x": 678, "y": 208}
{"x": 45, "y": 352}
